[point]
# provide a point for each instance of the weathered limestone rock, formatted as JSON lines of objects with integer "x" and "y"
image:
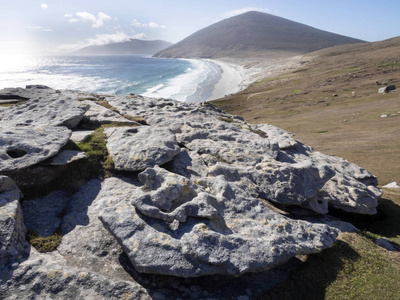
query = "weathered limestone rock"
{"x": 80, "y": 135}
{"x": 175, "y": 227}
{"x": 22, "y": 147}
{"x": 99, "y": 115}
{"x": 352, "y": 189}
{"x": 136, "y": 148}
{"x": 13, "y": 245}
{"x": 49, "y": 276}
{"x": 284, "y": 139}
{"x": 289, "y": 184}
{"x": 45, "y": 107}
{"x": 43, "y": 215}
{"x": 189, "y": 164}
{"x": 65, "y": 157}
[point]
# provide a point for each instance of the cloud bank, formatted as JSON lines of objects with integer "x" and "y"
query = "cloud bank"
{"x": 83, "y": 16}
{"x": 153, "y": 25}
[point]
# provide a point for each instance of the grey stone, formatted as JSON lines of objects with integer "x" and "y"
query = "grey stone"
{"x": 189, "y": 164}
{"x": 43, "y": 215}
{"x": 65, "y": 157}
{"x": 392, "y": 185}
{"x": 22, "y": 147}
{"x": 99, "y": 115}
{"x": 384, "y": 243}
{"x": 284, "y": 139}
{"x": 13, "y": 245}
{"x": 45, "y": 107}
{"x": 136, "y": 148}
{"x": 80, "y": 135}
{"x": 173, "y": 226}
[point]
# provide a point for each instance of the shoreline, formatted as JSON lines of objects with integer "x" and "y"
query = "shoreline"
{"x": 237, "y": 74}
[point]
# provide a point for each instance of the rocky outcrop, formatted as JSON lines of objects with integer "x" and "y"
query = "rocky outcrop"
{"x": 176, "y": 227}
{"x": 191, "y": 203}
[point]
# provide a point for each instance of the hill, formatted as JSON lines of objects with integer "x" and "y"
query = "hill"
{"x": 134, "y": 46}
{"x": 252, "y": 34}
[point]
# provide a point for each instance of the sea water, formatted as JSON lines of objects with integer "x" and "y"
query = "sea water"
{"x": 182, "y": 80}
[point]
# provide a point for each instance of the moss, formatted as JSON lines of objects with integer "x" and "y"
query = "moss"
{"x": 96, "y": 151}
{"x": 44, "y": 244}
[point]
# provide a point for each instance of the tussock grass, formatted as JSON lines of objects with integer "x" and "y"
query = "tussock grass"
{"x": 44, "y": 244}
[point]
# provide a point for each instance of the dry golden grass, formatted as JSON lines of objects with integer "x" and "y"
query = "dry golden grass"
{"x": 315, "y": 102}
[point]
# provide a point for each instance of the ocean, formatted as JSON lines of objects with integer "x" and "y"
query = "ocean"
{"x": 179, "y": 79}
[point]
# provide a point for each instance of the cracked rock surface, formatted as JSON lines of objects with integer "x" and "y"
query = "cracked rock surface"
{"x": 188, "y": 211}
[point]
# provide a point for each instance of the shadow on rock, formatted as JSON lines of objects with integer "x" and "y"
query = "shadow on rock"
{"x": 77, "y": 209}
{"x": 249, "y": 285}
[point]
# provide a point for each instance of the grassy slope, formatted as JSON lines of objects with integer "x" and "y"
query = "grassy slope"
{"x": 302, "y": 102}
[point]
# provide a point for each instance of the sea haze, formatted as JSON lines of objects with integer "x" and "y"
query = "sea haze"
{"x": 182, "y": 80}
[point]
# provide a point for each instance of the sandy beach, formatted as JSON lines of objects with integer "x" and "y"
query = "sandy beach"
{"x": 238, "y": 74}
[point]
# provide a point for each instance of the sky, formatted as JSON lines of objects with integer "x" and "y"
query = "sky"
{"x": 59, "y": 26}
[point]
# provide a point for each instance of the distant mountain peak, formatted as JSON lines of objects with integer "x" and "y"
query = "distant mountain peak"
{"x": 131, "y": 47}
{"x": 254, "y": 33}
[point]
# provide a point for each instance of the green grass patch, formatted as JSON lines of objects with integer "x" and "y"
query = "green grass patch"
{"x": 44, "y": 244}
{"x": 297, "y": 91}
{"x": 96, "y": 151}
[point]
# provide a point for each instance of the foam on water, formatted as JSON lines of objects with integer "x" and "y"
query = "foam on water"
{"x": 183, "y": 80}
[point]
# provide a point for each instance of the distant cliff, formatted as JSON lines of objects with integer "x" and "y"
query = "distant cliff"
{"x": 254, "y": 33}
{"x": 133, "y": 46}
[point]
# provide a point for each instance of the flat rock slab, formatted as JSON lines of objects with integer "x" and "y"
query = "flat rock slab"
{"x": 136, "y": 148}
{"x": 22, "y": 147}
{"x": 173, "y": 226}
{"x": 45, "y": 107}
{"x": 98, "y": 115}
{"x": 65, "y": 157}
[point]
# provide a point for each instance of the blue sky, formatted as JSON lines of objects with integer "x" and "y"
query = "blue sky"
{"x": 58, "y": 26}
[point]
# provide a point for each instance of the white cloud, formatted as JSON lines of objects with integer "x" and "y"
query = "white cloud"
{"x": 88, "y": 17}
{"x": 140, "y": 36}
{"x": 153, "y": 25}
{"x": 44, "y": 6}
{"x": 40, "y": 28}
{"x": 103, "y": 39}
{"x": 240, "y": 11}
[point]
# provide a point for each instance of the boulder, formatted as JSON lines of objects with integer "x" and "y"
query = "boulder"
{"x": 13, "y": 245}
{"x": 173, "y": 226}
{"x": 136, "y": 148}
{"x": 80, "y": 135}
{"x": 22, "y": 147}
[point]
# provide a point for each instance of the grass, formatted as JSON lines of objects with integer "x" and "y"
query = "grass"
{"x": 96, "y": 151}
{"x": 355, "y": 267}
{"x": 44, "y": 244}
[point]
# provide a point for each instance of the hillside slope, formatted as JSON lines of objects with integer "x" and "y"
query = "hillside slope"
{"x": 254, "y": 33}
{"x": 316, "y": 103}
{"x": 134, "y": 46}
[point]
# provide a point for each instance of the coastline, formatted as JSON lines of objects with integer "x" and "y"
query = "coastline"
{"x": 237, "y": 74}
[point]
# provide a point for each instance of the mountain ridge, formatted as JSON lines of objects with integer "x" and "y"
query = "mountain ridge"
{"x": 131, "y": 47}
{"x": 253, "y": 33}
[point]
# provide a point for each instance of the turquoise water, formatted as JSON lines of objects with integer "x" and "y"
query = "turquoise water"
{"x": 183, "y": 80}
